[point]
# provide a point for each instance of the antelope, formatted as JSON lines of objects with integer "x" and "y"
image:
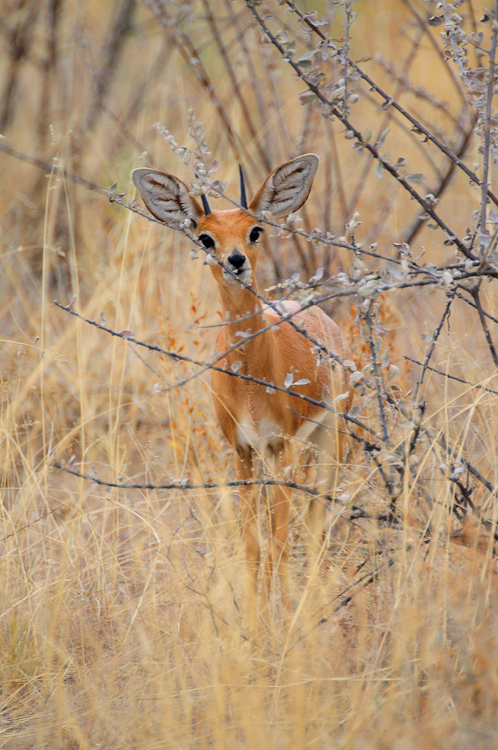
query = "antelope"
{"x": 260, "y": 424}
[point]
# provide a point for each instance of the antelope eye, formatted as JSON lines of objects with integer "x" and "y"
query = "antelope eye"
{"x": 254, "y": 235}
{"x": 207, "y": 241}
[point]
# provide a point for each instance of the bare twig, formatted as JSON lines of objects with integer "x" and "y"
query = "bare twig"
{"x": 192, "y": 57}
{"x": 362, "y": 181}
{"x": 489, "y": 340}
{"x": 490, "y": 85}
{"x": 235, "y": 84}
{"x": 49, "y": 67}
{"x": 19, "y": 41}
{"x": 472, "y": 304}
{"x": 345, "y": 55}
{"x": 417, "y": 125}
{"x": 355, "y": 133}
{"x": 441, "y": 186}
{"x": 128, "y": 336}
{"x": 377, "y": 376}
{"x": 435, "y": 337}
{"x": 120, "y": 27}
{"x": 181, "y": 485}
{"x": 450, "y": 377}
{"x": 47, "y": 167}
{"x": 32, "y": 523}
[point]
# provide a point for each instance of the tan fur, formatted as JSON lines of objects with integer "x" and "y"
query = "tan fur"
{"x": 257, "y": 424}
{"x": 269, "y": 356}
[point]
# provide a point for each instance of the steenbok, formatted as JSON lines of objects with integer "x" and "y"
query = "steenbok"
{"x": 258, "y": 422}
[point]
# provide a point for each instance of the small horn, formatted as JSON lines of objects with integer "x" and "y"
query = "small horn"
{"x": 243, "y": 197}
{"x": 205, "y": 204}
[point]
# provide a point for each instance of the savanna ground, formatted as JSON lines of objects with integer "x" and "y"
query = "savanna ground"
{"x": 122, "y": 614}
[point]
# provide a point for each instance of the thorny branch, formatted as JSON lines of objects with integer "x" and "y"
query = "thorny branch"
{"x": 451, "y": 377}
{"x": 377, "y": 376}
{"x": 370, "y": 448}
{"x": 485, "y": 327}
{"x": 418, "y": 127}
{"x": 332, "y": 110}
{"x": 491, "y": 82}
{"x": 459, "y": 269}
{"x": 435, "y": 337}
{"x": 182, "y": 485}
{"x": 128, "y": 336}
{"x": 435, "y": 276}
{"x": 398, "y": 273}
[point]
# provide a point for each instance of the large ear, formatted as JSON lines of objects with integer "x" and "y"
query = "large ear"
{"x": 166, "y": 197}
{"x": 287, "y": 187}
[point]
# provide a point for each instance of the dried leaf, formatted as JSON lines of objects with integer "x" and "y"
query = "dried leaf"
{"x": 416, "y": 177}
{"x": 307, "y": 97}
{"x": 406, "y": 424}
{"x": 355, "y": 378}
{"x": 436, "y": 20}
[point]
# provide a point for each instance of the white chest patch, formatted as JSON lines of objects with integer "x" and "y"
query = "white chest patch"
{"x": 259, "y": 436}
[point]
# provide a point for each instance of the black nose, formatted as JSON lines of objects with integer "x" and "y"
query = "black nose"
{"x": 236, "y": 259}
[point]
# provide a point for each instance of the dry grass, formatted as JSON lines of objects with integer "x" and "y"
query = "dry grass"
{"x": 122, "y": 612}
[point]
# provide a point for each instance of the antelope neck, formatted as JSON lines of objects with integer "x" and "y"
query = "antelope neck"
{"x": 241, "y": 303}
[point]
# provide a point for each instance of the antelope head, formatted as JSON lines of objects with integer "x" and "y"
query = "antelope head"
{"x": 231, "y": 236}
